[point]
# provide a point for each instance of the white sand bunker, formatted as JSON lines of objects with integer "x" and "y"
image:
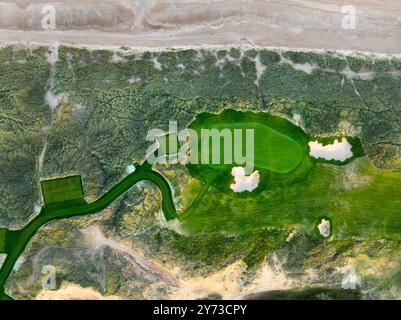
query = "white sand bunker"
{"x": 243, "y": 182}
{"x": 324, "y": 228}
{"x": 339, "y": 150}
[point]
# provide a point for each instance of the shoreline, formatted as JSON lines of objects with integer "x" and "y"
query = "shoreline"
{"x": 127, "y": 49}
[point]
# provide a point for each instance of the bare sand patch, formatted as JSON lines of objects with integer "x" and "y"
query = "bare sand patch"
{"x": 229, "y": 283}
{"x": 72, "y": 291}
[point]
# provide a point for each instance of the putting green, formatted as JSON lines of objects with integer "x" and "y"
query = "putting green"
{"x": 272, "y": 150}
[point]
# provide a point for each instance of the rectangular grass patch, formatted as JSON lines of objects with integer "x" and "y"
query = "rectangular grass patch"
{"x": 62, "y": 189}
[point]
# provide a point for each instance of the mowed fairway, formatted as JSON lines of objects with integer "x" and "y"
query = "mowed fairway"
{"x": 62, "y": 189}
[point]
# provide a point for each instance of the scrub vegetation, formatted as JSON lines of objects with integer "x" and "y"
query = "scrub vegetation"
{"x": 107, "y": 105}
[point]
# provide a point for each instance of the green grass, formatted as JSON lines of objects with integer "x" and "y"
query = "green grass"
{"x": 3, "y": 240}
{"x": 62, "y": 189}
{"x": 278, "y": 146}
{"x": 359, "y": 199}
{"x": 273, "y": 151}
{"x": 8, "y": 239}
{"x": 295, "y": 190}
{"x": 16, "y": 241}
{"x": 280, "y": 150}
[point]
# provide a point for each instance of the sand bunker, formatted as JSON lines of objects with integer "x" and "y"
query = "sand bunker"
{"x": 243, "y": 182}
{"x": 339, "y": 150}
{"x": 324, "y": 228}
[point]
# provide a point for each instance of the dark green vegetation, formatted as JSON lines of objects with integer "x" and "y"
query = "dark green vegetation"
{"x": 16, "y": 241}
{"x": 108, "y": 107}
{"x": 23, "y": 80}
{"x": 7, "y": 240}
{"x": 62, "y": 189}
{"x": 3, "y": 240}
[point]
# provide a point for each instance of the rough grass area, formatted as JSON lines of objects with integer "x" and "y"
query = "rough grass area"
{"x": 62, "y": 189}
{"x": 359, "y": 199}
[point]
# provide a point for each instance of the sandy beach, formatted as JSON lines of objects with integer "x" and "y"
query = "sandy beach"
{"x": 317, "y": 24}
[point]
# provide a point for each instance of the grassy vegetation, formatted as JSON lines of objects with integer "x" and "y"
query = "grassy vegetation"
{"x": 359, "y": 199}
{"x": 219, "y": 249}
{"x": 62, "y": 189}
{"x": 281, "y": 150}
{"x": 16, "y": 241}
{"x": 108, "y": 107}
{"x": 23, "y": 114}
{"x": 3, "y": 240}
{"x": 273, "y": 149}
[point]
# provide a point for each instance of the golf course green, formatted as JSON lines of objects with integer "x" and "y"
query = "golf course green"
{"x": 280, "y": 149}
{"x": 277, "y": 146}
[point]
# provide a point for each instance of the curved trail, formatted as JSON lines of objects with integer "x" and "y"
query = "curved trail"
{"x": 21, "y": 237}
